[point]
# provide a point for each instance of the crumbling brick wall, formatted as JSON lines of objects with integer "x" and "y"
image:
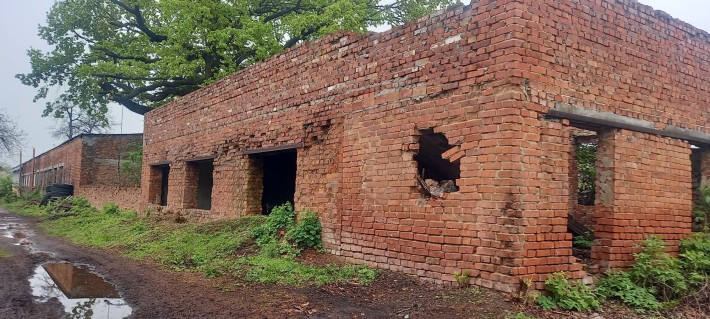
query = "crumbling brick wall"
{"x": 484, "y": 76}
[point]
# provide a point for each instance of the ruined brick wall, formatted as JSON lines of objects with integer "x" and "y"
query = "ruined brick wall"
{"x": 645, "y": 188}
{"x": 90, "y": 162}
{"x": 484, "y": 76}
{"x": 102, "y": 178}
{"x": 624, "y": 58}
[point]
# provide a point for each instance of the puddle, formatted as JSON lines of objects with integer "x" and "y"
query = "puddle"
{"x": 83, "y": 293}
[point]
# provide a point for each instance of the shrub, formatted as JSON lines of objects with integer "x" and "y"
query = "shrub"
{"x": 568, "y": 295}
{"x": 658, "y": 271}
{"x": 306, "y": 232}
{"x": 619, "y": 285}
{"x": 585, "y": 241}
{"x": 281, "y": 218}
{"x": 111, "y": 209}
{"x": 701, "y": 210}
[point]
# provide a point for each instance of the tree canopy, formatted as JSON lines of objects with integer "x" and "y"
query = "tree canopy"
{"x": 72, "y": 121}
{"x": 144, "y": 53}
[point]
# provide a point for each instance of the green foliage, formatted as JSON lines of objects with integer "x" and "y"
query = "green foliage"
{"x": 214, "y": 249}
{"x": 462, "y": 278}
{"x": 282, "y": 217}
{"x": 585, "y": 241}
{"x": 586, "y": 163}
{"x": 306, "y": 232}
{"x": 6, "y": 188}
{"x": 701, "y": 210}
{"x": 288, "y": 271}
{"x": 282, "y": 235}
{"x": 568, "y": 295}
{"x": 4, "y": 253}
{"x": 658, "y": 271}
{"x": 620, "y": 285}
{"x": 144, "y": 53}
{"x": 132, "y": 163}
{"x": 110, "y": 208}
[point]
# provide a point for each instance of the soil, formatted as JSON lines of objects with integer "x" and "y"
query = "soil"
{"x": 153, "y": 292}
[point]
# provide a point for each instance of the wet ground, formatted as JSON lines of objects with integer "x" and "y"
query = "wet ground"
{"x": 50, "y": 278}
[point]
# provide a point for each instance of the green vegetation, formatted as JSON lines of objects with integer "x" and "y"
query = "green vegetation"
{"x": 586, "y": 165}
{"x": 4, "y": 253}
{"x": 655, "y": 282}
{"x": 568, "y": 295}
{"x": 462, "y": 278}
{"x": 132, "y": 163}
{"x": 585, "y": 241}
{"x": 142, "y": 54}
{"x": 250, "y": 247}
{"x": 701, "y": 210}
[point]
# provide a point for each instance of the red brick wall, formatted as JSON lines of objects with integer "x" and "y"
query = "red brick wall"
{"x": 645, "y": 190}
{"x": 90, "y": 163}
{"x": 483, "y": 76}
{"x": 67, "y": 155}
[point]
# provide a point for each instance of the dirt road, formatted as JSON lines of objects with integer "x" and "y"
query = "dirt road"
{"x": 152, "y": 292}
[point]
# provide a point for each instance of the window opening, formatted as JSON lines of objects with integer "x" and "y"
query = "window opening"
{"x": 205, "y": 182}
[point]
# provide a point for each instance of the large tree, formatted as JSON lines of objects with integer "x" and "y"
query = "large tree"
{"x": 143, "y": 53}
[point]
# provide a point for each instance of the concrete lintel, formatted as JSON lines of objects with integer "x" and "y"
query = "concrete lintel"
{"x": 273, "y": 149}
{"x": 578, "y": 113}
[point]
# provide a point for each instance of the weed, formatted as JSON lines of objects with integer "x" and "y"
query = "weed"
{"x": 568, "y": 295}
{"x": 306, "y": 232}
{"x": 585, "y": 241}
{"x": 620, "y": 285}
{"x": 110, "y": 209}
{"x": 462, "y": 278}
{"x": 658, "y": 271}
{"x": 4, "y": 253}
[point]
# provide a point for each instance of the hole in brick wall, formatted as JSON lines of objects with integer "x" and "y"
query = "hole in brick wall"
{"x": 582, "y": 191}
{"x": 200, "y": 183}
{"x": 158, "y": 189}
{"x": 438, "y": 164}
{"x": 700, "y": 174}
{"x": 278, "y": 178}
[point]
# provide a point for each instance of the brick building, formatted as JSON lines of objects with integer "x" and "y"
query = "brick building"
{"x": 448, "y": 143}
{"x": 90, "y": 162}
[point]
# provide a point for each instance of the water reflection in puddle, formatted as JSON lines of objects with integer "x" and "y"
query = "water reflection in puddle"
{"x": 83, "y": 294}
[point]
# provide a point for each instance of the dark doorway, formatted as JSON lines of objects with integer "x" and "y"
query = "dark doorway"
{"x": 279, "y": 179}
{"x": 204, "y": 184}
{"x": 164, "y": 174}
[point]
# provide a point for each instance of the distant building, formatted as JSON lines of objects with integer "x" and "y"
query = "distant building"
{"x": 90, "y": 162}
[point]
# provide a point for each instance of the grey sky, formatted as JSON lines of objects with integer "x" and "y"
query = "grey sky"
{"x": 19, "y": 20}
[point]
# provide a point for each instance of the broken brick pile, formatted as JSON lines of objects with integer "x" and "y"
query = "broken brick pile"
{"x": 493, "y": 78}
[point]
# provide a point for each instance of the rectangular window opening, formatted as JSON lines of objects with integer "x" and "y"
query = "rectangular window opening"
{"x": 278, "y": 178}
{"x": 158, "y": 191}
{"x": 200, "y": 183}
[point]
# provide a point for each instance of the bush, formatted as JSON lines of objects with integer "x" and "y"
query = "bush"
{"x": 6, "y": 187}
{"x": 701, "y": 210}
{"x": 568, "y": 295}
{"x": 658, "y": 271}
{"x": 619, "y": 285}
{"x": 111, "y": 209}
{"x": 306, "y": 232}
{"x": 282, "y": 235}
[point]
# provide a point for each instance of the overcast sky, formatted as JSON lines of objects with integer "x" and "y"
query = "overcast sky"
{"x": 19, "y": 20}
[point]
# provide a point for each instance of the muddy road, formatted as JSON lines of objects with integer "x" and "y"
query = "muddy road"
{"x": 33, "y": 278}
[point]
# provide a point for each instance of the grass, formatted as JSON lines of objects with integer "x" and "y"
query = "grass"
{"x": 4, "y": 253}
{"x": 220, "y": 248}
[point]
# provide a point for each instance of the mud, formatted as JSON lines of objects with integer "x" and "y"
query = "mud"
{"x": 147, "y": 291}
